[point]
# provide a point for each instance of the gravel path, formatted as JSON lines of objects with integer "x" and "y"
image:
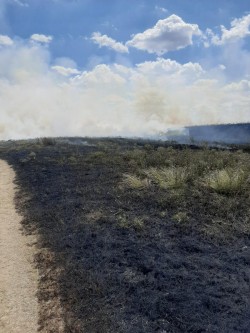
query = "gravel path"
{"x": 18, "y": 277}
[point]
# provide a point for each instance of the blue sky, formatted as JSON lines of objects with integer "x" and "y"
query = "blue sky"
{"x": 72, "y": 22}
{"x": 151, "y": 57}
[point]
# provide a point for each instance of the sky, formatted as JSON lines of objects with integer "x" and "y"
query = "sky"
{"x": 122, "y": 67}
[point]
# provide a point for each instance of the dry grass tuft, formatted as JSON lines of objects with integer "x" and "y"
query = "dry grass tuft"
{"x": 172, "y": 177}
{"x": 135, "y": 182}
{"x": 227, "y": 181}
{"x": 180, "y": 217}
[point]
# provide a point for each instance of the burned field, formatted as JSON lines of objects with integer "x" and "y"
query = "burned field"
{"x": 137, "y": 236}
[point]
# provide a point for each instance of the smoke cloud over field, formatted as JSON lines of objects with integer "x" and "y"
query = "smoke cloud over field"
{"x": 39, "y": 97}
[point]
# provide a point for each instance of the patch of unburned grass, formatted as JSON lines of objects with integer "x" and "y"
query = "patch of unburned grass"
{"x": 168, "y": 178}
{"x": 134, "y": 182}
{"x": 227, "y": 181}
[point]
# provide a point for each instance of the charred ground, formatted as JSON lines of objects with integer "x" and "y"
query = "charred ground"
{"x": 126, "y": 259}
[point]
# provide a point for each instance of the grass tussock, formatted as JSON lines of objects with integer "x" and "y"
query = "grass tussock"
{"x": 168, "y": 178}
{"x": 134, "y": 182}
{"x": 227, "y": 181}
{"x": 164, "y": 178}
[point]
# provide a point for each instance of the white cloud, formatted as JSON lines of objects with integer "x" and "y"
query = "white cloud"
{"x": 240, "y": 28}
{"x": 167, "y": 35}
{"x": 105, "y": 41}
{"x": 5, "y": 40}
{"x": 41, "y": 38}
{"x": 65, "y": 71}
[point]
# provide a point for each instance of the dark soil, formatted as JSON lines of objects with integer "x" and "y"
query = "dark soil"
{"x": 113, "y": 274}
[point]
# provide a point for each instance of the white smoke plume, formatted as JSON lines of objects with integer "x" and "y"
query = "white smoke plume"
{"x": 37, "y": 99}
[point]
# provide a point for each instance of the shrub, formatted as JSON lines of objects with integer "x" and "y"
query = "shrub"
{"x": 227, "y": 181}
{"x": 32, "y": 155}
{"x": 47, "y": 141}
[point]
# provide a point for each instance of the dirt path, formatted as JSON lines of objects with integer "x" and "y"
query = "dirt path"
{"x": 18, "y": 278}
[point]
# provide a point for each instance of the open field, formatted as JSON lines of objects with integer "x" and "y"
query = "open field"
{"x": 137, "y": 236}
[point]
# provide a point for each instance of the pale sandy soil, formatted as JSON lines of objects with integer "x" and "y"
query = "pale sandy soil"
{"x": 18, "y": 277}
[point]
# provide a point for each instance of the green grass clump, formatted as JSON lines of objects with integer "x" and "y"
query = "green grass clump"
{"x": 172, "y": 177}
{"x": 227, "y": 181}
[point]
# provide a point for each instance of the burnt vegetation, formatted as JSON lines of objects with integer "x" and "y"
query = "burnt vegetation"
{"x": 137, "y": 236}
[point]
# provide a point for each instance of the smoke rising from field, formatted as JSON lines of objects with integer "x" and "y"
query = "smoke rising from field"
{"x": 38, "y": 98}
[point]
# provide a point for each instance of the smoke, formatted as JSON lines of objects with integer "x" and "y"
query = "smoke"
{"x": 37, "y": 99}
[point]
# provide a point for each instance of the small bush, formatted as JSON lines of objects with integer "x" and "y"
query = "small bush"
{"x": 227, "y": 181}
{"x": 47, "y": 141}
{"x": 32, "y": 155}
